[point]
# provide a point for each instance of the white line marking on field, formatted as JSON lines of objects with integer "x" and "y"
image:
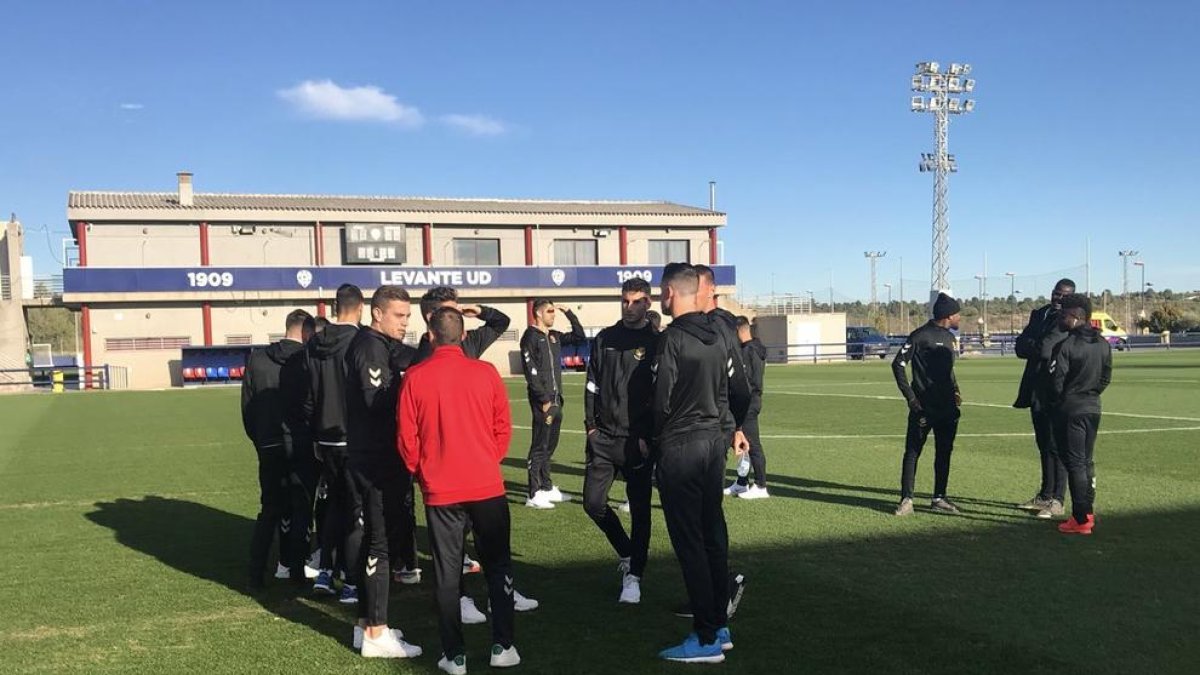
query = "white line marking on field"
{"x": 898, "y": 399}
{"x": 838, "y": 437}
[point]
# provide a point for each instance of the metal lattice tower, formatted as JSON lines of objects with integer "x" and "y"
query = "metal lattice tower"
{"x": 874, "y": 256}
{"x": 929, "y": 79}
{"x": 1125, "y": 256}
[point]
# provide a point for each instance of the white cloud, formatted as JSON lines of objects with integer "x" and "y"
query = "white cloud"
{"x": 132, "y": 106}
{"x": 476, "y": 125}
{"x": 325, "y": 99}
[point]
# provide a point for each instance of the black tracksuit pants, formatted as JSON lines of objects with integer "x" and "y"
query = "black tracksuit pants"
{"x": 341, "y": 527}
{"x": 944, "y": 429}
{"x": 691, "y": 482}
{"x": 758, "y": 459}
{"x": 489, "y": 520}
{"x": 1076, "y": 438}
{"x": 546, "y": 427}
{"x": 281, "y": 510}
{"x": 1054, "y": 472}
{"x": 380, "y": 481}
{"x": 605, "y": 456}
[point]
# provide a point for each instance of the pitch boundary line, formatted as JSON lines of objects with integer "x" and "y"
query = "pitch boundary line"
{"x": 837, "y": 437}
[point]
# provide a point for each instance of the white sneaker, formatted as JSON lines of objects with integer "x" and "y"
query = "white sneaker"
{"x": 624, "y": 508}
{"x": 524, "y": 604}
{"x": 624, "y": 565}
{"x": 282, "y": 572}
{"x": 314, "y": 560}
{"x": 359, "y": 632}
{"x": 456, "y": 667}
{"x": 736, "y": 490}
{"x": 505, "y": 658}
{"x": 407, "y": 577}
{"x": 470, "y": 613}
{"x": 540, "y": 500}
{"x": 631, "y": 590}
{"x": 557, "y": 496}
{"x": 755, "y": 492}
{"x": 388, "y": 646}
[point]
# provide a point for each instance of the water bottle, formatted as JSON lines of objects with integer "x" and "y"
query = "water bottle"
{"x": 743, "y": 467}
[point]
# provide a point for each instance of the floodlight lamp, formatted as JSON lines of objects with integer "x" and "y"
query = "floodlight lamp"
{"x": 955, "y": 68}
{"x": 969, "y": 105}
{"x": 953, "y": 105}
{"x": 966, "y": 69}
{"x": 955, "y": 85}
{"x": 933, "y": 66}
{"x": 918, "y": 104}
{"x": 935, "y": 104}
{"x": 968, "y": 86}
{"x": 917, "y": 83}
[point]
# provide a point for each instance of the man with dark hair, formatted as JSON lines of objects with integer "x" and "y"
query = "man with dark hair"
{"x": 933, "y": 400}
{"x": 325, "y": 411}
{"x": 379, "y": 475}
{"x": 1080, "y": 371}
{"x": 271, "y": 424}
{"x": 619, "y": 418}
{"x": 1036, "y": 344}
{"x": 455, "y": 427}
{"x": 320, "y": 324}
{"x": 699, "y": 375}
{"x": 541, "y": 350}
{"x": 477, "y": 340}
{"x": 754, "y": 356}
{"x": 655, "y": 321}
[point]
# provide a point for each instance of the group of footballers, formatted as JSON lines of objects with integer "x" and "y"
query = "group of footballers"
{"x": 346, "y": 418}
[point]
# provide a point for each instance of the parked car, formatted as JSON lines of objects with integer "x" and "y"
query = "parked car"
{"x": 864, "y": 341}
{"x": 1111, "y": 330}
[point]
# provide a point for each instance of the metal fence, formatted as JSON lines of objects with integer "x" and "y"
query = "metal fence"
{"x": 72, "y": 378}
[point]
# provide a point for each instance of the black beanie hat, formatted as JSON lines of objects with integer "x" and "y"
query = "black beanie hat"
{"x": 945, "y": 306}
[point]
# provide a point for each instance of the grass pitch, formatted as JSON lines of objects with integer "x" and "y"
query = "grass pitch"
{"x": 126, "y": 517}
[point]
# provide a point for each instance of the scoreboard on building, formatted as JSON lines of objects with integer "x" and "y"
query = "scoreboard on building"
{"x": 375, "y": 244}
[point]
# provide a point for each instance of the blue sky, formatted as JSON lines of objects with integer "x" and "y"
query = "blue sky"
{"x": 1085, "y": 126}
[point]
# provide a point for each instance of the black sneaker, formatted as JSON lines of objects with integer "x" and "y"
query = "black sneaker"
{"x": 943, "y": 505}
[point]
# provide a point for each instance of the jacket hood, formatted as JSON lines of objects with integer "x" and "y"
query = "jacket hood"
{"x": 281, "y": 351}
{"x": 333, "y": 340}
{"x": 1089, "y": 334}
{"x": 758, "y": 347}
{"x": 698, "y": 325}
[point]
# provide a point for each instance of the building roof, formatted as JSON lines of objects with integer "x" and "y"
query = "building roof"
{"x": 169, "y": 201}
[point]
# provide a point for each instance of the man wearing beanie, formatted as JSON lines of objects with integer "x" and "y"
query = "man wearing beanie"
{"x": 933, "y": 401}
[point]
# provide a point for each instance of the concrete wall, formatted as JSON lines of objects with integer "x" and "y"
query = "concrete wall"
{"x": 803, "y": 338}
{"x": 13, "y": 333}
{"x": 127, "y": 245}
{"x": 272, "y": 245}
{"x": 148, "y": 369}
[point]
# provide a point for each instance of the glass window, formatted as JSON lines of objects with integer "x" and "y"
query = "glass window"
{"x": 480, "y": 252}
{"x": 575, "y": 252}
{"x": 663, "y": 251}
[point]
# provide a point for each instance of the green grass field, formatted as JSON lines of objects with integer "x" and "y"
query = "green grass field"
{"x": 125, "y": 520}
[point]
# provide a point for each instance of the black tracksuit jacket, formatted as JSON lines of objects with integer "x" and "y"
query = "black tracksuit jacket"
{"x": 476, "y": 341}
{"x": 325, "y": 361}
{"x": 272, "y": 391}
{"x": 619, "y": 396}
{"x": 932, "y": 351}
{"x": 1035, "y": 344}
{"x": 542, "y": 355}
{"x": 372, "y": 388}
{"x": 754, "y": 357}
{"x": 698, "y": 369}
{"x": 1081, "y": 369}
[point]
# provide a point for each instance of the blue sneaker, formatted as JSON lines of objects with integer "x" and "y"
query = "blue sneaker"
{"x": 324, "y": 582}
{"x": 725, "y": 638}
{"x": 691, "y": 651}
{"x": 349, "y": 595}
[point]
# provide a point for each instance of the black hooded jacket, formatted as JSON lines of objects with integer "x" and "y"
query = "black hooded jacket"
{"x": 541, "y": 355}
{"x": 754, "y": 357}
{"x": 372, "y": 387}
{"x": 619, "y": 396}
{"x": 325, "y": 404}
{"x": 272, "y": 391}
{"x": 698, "y": 369}
{"x": 1080, "y": 370}
{"x": 1036, "y": 344}
{"x": 932, "y": 350}
{"x": 477, "y": 340}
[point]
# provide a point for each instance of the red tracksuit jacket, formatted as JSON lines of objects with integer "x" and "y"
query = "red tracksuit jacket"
{"x": 454, "y": 427}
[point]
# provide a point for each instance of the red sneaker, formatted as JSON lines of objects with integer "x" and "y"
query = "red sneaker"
{"x": 1072, "y": 526}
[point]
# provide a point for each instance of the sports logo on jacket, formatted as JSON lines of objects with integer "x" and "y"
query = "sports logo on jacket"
{"x": 375, "y": 376}
{"x": 639, "y": 353}
{"x": 553, "y": 338}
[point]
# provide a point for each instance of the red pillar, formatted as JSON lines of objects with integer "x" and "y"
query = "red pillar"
{"x": 81, "y": 231}
{"x": 529, "y": 310}
{"x": 204, "y": 244}
{"x": 85, "y": 321}
{"x": 528, "y": 245}
{"x": 712, "y": 246}
{"x": 205, "y": 307}
{"x": 320, "y": 308}
{"x": 318, "y": 244}
{"x": 623, "y": 235}
{"x": 427, "y": 243}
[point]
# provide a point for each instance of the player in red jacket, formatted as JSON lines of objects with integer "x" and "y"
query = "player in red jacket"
{"x": 454, "y": 427}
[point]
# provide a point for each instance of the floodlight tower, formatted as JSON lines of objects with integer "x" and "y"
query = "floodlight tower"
{"x": 874, "y": 256}
{"x": 1126, "y": 254}
{"x": 930, "y": 79}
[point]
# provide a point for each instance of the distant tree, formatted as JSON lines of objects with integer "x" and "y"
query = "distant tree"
{"x": 52, "y": 325}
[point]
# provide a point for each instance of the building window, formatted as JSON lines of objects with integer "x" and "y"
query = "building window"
{"x": 145, "y": 344}
{"x": 477, "y": 252}
{"x": 575, "y": 252}
{"x": 663, "y": 251}
{"x": 239, "y": 339}
{"x": 273, "y": 337}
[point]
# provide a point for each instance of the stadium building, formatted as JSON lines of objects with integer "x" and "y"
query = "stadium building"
{"x": 160, "y": 271}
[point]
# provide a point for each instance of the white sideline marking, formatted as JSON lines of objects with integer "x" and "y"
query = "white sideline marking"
{"x": 977, "y": 405}
{"x": 837, "y": 437}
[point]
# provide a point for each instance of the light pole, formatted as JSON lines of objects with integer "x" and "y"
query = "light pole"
{"x": 1142, "y": 264}
{"x": 887, "y": 311}
{"x": 1125, "y": 256}
{"x": 1012, "y": 297}
{"x": 939, "y": 85}
{"x": 812, "y": 302}
{"x": 983, "y": 295}
{"x": 874, "y": 257}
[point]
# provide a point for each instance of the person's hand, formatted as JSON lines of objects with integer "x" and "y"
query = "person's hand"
{"x": 472, "y": 311}
{"x": 957, "y": 399}
{"x": 915, "y": 406}
{"x": 644, "y": 448}
{"x": 546, "y": 406}
{"x": 740, "y": 444}
{"x": 591, "y": 432}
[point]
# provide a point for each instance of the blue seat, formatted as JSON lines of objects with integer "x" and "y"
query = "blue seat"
{"x": 210, "y": 373}
{"x": 223, "y": 373}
